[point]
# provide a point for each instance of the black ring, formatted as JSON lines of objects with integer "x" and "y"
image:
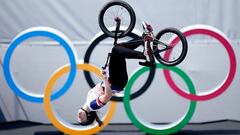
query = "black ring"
{"x": 90, "y": 81}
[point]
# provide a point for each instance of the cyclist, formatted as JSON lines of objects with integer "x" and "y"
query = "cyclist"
{"x": 100, "y": 95}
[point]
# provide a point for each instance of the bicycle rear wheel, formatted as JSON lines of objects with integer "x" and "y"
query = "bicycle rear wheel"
{"x": 176, "y": 42}
{"x": 117, "y": 9}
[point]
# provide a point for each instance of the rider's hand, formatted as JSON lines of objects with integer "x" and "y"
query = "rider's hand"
{"x": 104, "y": 73}
{"x": 149, "y": 28}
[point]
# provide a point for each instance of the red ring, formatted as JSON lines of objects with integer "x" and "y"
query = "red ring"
{"x": 205, "y": 30}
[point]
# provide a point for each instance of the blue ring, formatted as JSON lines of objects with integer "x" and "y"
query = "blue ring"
{"x": 19, "y": 91}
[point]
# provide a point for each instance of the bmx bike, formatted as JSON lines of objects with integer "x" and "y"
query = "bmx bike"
{"x": 121, "y": 15}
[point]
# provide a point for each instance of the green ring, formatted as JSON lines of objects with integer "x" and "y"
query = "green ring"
{"x": 170, "y": 129}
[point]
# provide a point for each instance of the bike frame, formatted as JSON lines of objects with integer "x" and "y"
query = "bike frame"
{"x": 147, "y": 38}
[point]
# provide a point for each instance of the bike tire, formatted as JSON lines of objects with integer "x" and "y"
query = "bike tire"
{"x": 129, "y": 9}
{"x": 183, "y": 41}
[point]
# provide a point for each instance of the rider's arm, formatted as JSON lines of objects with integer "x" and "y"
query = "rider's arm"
{"x": 108, "y": 92}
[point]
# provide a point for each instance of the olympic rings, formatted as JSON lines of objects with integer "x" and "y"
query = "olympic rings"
{"x": 211, "y": 31}
{"x": 73, "y": 67}
{"x": 172, "y": 128}
{"x": 89, "y": 79}
{"x": 69, "y": 129}
{"x": 34, "y": 32}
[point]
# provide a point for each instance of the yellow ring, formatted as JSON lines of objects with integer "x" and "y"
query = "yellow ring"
{"x": 50, "y": 113}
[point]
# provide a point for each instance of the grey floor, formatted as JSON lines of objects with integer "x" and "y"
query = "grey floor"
{"x": 213, "y": 128}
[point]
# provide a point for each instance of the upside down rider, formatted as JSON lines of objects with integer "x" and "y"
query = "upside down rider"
{"x": 101, "y": 93}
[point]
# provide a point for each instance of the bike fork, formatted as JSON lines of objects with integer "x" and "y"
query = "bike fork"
{"x": 118, "y": 22}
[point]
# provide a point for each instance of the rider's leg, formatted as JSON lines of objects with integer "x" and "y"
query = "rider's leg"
{"x": 132, "y": 45}
{"x": 127, "y": 53}
{"x": 117, "y": 64}
{"x": 133, "y": 54}
{"x": 147, "y": 50}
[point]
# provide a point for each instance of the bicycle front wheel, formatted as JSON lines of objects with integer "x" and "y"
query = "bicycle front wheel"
{"x": 117, "y": 9}
{"x": 172, "y": 47}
